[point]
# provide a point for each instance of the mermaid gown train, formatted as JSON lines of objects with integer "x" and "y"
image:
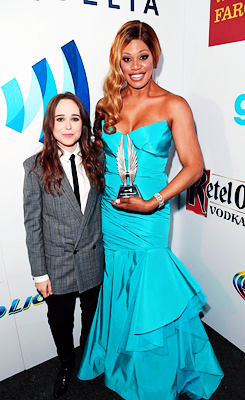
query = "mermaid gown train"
{"x": 146, "y": 336}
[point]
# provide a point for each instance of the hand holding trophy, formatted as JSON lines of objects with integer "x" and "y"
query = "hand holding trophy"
{"x": 126, "y": 190}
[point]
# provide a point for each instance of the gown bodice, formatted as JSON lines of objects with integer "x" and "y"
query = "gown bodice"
{"x": 152, "y": 145}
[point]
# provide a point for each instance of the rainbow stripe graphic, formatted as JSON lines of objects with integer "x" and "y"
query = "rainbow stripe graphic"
{"x": 43, "y": 88}
{"x": 239, "y": 283}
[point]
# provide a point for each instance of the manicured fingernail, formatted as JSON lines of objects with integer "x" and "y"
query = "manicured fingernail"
{"x": 117, "y": 201}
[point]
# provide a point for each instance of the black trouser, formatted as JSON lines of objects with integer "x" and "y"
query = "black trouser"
{"x": 61, "y": 320}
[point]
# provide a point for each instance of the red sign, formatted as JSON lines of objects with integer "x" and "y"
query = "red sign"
{"x": 196, "y": 196}
{"x": 227, "y": 21}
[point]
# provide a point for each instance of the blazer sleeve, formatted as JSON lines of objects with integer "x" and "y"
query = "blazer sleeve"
{"x": 102, "y": 159}
{"x": 33, "y": 192}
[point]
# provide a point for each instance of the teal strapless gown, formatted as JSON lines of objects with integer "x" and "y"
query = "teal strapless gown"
{"x": 147, "y": 337}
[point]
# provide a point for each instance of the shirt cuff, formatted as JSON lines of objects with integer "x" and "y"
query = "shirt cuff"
{"x": 42, "y": 278}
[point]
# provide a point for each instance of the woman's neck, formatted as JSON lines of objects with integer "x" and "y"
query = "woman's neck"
{"x": 144, "y": 91}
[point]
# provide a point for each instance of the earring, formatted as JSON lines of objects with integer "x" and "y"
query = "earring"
{"x": 92, "y": 138}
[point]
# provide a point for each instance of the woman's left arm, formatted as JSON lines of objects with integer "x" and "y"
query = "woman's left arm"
{"x": 188, "y": 149}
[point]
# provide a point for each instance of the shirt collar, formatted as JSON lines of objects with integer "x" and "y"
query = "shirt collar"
{"x": 66, "y": 154}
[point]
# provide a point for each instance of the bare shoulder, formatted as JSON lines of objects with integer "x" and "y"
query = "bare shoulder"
{"x": 170, "y": 100}
{"x": 176, "y": 104}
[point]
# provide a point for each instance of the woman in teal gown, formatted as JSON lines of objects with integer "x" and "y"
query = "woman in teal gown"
{"x": 146, "y": 337}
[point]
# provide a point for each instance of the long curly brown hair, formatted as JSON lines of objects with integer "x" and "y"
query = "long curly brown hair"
{"x": 49, "y": 158}
{"x": 110, "y": 106}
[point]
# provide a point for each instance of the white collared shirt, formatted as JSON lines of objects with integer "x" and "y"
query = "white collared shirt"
{"x": 83, "y": 181}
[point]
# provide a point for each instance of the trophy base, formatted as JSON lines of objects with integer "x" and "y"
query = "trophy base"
{"x": 128, "y": 191}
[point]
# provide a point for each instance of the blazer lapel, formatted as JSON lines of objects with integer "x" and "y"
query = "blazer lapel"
{"x": 70, "y": 195}
{"x": 93, "y": 193}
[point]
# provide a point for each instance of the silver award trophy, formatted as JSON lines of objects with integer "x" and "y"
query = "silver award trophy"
{"x": 126, "y": 190}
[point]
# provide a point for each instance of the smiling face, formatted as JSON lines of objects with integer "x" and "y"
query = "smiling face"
{"x": 67, "y": 124}
{"x": 137, "y": 64}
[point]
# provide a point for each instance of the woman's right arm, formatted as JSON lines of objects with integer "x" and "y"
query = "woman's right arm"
{"x": 33, "y": 221}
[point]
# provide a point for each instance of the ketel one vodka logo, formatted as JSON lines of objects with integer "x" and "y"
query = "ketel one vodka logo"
{"x": 224, "y": 197}
{"x": 196, "y": 198}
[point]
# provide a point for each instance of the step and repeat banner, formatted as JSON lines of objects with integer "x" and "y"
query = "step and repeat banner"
{"x": 50, "y": 46}
{"x": 212, "y": 213}
{"x": 47, "y": 47}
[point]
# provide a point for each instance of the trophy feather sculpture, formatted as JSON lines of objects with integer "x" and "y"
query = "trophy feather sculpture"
{"x": 127, "y": 190}
{"x": 121, "y": 166}
{"x": 132, "y": 161}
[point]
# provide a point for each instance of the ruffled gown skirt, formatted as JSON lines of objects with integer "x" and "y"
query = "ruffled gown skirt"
{"x": 147, "y": 337}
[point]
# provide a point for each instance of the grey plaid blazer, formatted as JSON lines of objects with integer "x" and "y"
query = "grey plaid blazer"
{"x": 61, "y": 241}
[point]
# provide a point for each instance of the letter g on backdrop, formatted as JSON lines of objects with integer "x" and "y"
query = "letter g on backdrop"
{"x": 239, "y": 109}
{"x": 43, "y": 88}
